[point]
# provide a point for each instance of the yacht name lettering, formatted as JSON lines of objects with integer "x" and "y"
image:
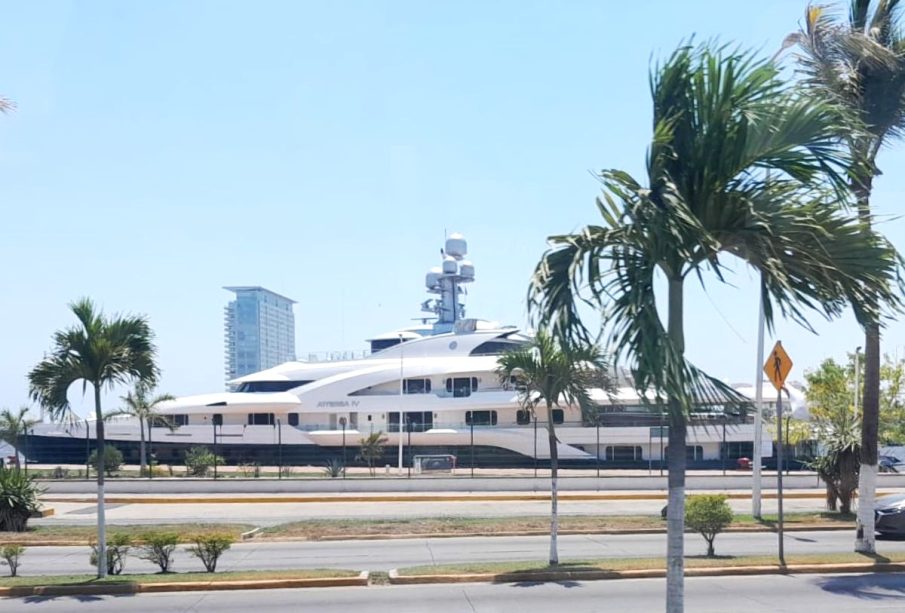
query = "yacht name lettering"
{"x": 336, "y": 404}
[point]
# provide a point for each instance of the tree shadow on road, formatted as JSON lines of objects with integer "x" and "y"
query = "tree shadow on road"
{"x": 877, "y": 586}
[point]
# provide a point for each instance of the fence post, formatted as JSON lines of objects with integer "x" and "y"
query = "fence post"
{"x": 472, "y": 445}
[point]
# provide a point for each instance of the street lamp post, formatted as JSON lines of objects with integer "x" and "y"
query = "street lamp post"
{"x": 342, "y": 422}
{"x": 279, "y": 449}
{"x": 401, "y": 387}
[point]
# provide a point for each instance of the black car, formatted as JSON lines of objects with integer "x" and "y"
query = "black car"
{"x": 889, "y": 514}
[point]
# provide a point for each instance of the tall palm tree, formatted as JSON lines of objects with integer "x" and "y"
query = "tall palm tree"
{"x": 103, "y": 352}
{"x": 722, "y": 119}
{"x": 13, "y": 426}
{"x": 555, "y": 375}
{"x": 6, "y": 105}
{"x": 860, "y": 66}
{"x": 139, "y": 403}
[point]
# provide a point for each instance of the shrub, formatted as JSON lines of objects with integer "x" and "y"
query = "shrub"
{"x": 11, "y": 555}
{"x": 251, "y": 469}
{"x": 118, "y": 546}
{"x": 708, "y": 514}
{"x": 209, "y": 547}
{"x": 158, "y": 548}
{"x": 18, "y": 499}
{"x": 334, "y": 468}
{"x": 199, "y": 460}
{"x": 59, "y": 473}
{"x": 288, "y": 471}
{"x": 113, "y": 459}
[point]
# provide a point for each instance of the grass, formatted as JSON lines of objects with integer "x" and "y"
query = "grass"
{"x": 622, "y": 564}
{"x": 175, "y": 577}
{"x": 451, "y": 526}
{"x": 85, "y": 534}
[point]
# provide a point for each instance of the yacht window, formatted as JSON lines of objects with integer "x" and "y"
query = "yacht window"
{"x": 623, "y": 453}
{"x": 523, "y": 417}
{"x": 380, "y": 345}
{"x": 692, "y": 452}
{"x": 218, "y": 419}
{"x": 494, "y": 347}
{"x": 481, "y": 418}
{"x": 260, "y": 419}
{"x": 461, "y": 386}
{"x": 558, "y": 416}
{"x": 414, "y": 421}
{"x": 269, "y": 386}
{"x": 416, "y": 386}
{"x": 293, "y": 419}
{"x": 180, "y": 420}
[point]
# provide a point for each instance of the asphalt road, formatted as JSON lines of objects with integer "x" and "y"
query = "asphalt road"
{"x": 778, "y": 594}
{"x": 261, "y": 514}
{"x": 386, "y": 554}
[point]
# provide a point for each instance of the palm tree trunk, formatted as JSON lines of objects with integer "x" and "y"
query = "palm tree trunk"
{"x": 141, "y": 452}
{"x": 101, "y": 519}
{"x": 554, "y": 475}
{"x": 870, "y": 406}
{"x": 675, "y": 512}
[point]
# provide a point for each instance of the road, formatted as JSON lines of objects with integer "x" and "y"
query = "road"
{"x": 386, "y": 554}
{"x": 778, "y": 594}
{"x": 270, "y": 514}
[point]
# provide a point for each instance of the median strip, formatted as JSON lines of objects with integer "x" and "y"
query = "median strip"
{"x": 185, "y": 582}
{"x": 642, "y": 568}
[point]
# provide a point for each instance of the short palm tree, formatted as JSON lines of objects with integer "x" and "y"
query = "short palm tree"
{"x": 13, "y": 426}
{"x": 555, "y": 375}
{"x": 859, "y": 64}
{"x": 139, "y": 403}
{"x": 722, "y": 119}
{"x": 103, "y": 352}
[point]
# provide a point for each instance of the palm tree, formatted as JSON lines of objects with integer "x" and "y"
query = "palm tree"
{"x": 860, "y": 66}
{"x": 722, "y": 120}
{"x": 140, "y": 404}
{"x": 555, "y": 375}
{"x": 102, "y": 352}
{"x": 13, "y": 426}
{"x": 6, "y": 105}
{"x": 370, "y": 449}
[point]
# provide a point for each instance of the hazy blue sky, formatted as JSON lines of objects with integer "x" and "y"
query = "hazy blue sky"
{"x": 161, "y": 150}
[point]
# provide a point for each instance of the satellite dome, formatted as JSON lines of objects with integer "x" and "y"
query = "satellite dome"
{"x": 450, "y": 266}
{"x": 456, "y": 246}
{"x": 432, "y": 278}
{"x": 466, "y": 269}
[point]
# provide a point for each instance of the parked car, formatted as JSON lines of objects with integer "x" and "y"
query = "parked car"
{"x": 889, "y": 513}
{"x": 889, "y": 464}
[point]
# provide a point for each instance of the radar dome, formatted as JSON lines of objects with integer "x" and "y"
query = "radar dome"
{"x": 456, "y": 245}
{"x": 450, "y": 266}
{"x": 466, "y": 269}
{"x": 432, "y": 278}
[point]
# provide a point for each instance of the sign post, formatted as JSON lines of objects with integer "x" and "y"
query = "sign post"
{"x": 777, "y": 369}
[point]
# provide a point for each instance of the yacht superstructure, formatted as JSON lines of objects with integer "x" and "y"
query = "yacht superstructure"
{"x": 433, "y": 384}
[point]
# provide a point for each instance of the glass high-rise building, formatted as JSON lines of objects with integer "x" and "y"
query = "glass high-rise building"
{"x": 259, "y": 331}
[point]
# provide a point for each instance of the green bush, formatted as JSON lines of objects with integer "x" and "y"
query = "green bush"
{"x": 334, "y": 468}
{"x": 18, "y": 499}
{"x": 158, "y": 548}
{"x": 113, "y": 459}
{"x": 708, "y": 514}
{"x": 11, "y": 555}
{"x": 118, "y": 546}
{"x": 199, "y": 460}
{"x": 209, "y": 547}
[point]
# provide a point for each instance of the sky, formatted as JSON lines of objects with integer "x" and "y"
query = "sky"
{"x": 160, "y": 151}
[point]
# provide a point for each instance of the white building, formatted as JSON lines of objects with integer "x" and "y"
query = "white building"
{"x": 259, "y": 331}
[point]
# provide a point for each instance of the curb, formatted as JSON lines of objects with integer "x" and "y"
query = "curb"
{"x": 599, "y": 575}
{"x": 45, "y": 512}
{"x": 250, "y": 534}
{"x": 117, "y": 589}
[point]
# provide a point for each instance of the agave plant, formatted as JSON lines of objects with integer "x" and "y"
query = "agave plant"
{"x": 18, "y": 500}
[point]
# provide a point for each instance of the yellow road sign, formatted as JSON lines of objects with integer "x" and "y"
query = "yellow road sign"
{"x": 778, "y": 366}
